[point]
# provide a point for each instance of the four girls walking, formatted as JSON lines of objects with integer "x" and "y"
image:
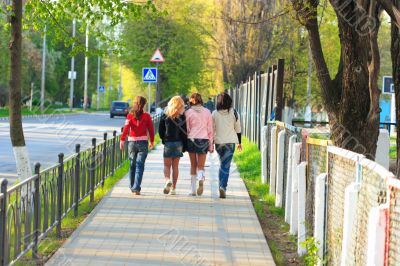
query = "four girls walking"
{"x": 194, "y": 130}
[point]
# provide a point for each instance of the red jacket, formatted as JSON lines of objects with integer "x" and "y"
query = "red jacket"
{"x": 139, "y": 129}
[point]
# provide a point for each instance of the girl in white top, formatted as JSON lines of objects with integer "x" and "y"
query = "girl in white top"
{"x": 227, "y": 133}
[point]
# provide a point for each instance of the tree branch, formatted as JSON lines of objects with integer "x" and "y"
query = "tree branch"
{"x": 230, "y": 19}
{"x": 374, "y": 64}
{"x": 392, "y": 11}
{"x": 331, "y": 97}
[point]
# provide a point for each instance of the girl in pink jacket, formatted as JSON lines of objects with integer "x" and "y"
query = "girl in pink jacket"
{"x": 200, "y": 134}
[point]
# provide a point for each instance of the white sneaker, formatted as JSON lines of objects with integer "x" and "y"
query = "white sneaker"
{"x": 173, "y": 192}
{"x": 167, "y": 187}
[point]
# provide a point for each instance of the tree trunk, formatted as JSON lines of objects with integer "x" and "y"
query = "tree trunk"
{"x": 357, "y": 115}
{"x": 395, "y": 52}
{"x": 352, "y": 98}
{"x": 16, "y": 131}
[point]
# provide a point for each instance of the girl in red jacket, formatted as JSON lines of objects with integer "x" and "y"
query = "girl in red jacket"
{"x": 140, "y": 127}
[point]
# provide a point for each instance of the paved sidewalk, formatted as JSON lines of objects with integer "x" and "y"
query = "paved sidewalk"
{"x": 158, "y": 229}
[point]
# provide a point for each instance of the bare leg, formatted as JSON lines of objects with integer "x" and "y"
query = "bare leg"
{"x": 193, "y": 163}
{"x": 167, "y": 168}
{"x": 175, "y": 170}
{"x": 201, "y": 161}
{"x": 193, "y": 172}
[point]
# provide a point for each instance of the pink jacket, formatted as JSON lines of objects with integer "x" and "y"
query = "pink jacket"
{"x": 199, "y": 124}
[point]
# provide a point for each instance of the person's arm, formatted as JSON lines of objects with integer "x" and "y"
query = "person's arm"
{"x": 238, "y": 130}
{"x": 210, "y": 131}
{"x": 187, "y": 119}
{"x": 183, "y": 132}
{"x": 213, "y": 115}
{"x": 150, "y": 129}
{"x": 161, "y": 128}
{"x": 125, "y": 131}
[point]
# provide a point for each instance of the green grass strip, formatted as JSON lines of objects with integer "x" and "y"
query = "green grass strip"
{"x": 393, "y": 148}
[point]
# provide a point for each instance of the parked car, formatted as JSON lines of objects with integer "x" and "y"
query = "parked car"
{"x": 119, "y": 108}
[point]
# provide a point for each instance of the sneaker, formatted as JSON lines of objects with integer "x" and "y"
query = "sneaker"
{"x": 192, "y": 194}
{"x": 200, "y": 188}
{"x": 173, "y": 192}
{"x": 222, "y": 193}
{"x": 136, "y": 192}
{"x": 167, "y": 187}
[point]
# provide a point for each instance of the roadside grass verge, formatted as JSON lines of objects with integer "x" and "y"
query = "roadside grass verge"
{"x": 49, "y": 245}
{"x": 4, "y": 112}
{"x": 393, "y": 148}
{"x": 271, "y": 218}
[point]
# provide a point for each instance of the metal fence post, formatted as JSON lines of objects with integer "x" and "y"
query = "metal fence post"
{"x": 77, "y": 178}
{"x": 103, "y": 172}
{"x": 60, "y": 193}
{"x": 113, "y": 152}
{"x": 3, "y": 217}
{"x": 36, "y": 221}
{"x": 92, "y": 169}
{"x": 279, "y": 90}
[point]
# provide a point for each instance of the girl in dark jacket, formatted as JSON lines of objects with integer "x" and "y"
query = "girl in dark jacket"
{"x": 172, "y": 131}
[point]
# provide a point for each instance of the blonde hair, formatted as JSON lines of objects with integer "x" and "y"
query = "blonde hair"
{"x": 176, "y": 107}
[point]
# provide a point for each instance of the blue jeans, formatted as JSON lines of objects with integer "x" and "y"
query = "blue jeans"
{"x": 137, "y": 155}
{"x": 225, "y": 152}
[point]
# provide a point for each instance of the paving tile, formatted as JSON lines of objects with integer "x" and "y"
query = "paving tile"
{"x": 158, "y": 229}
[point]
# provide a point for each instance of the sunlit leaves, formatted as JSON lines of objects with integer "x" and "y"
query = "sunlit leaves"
{"x": 102, "y": 16}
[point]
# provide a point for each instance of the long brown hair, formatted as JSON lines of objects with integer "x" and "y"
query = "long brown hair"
{"x": 138, "y": 106}
{"x": 195, "y": 99}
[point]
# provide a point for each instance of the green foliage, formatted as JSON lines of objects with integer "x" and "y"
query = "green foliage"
{"x": 180, "y": 37}
{"x": 311, "y": 246}
{"x": 393, "y": 148}
{"x": 278, "y": 257}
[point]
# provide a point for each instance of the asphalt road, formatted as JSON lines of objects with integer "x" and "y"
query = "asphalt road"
{"x": 47, "y": 137}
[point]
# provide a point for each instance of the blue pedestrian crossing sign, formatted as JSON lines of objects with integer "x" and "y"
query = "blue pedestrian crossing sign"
{"x": 101, "y": 88}
{"x": 149, "y": 74}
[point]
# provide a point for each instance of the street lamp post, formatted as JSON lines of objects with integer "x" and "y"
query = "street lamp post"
{"x": 43, "y": 72}
{"x": 110, "y": 87}
{"x": 98, "y": 83}
{"x": 85, "y": 94}
{"x": 120, "y": 83}
{"x": 72, "y": 75}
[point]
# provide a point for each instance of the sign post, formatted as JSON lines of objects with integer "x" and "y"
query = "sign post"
{"x": 388, "y": 88}
{"x": 157, "y": 58}
{"x": 149, "y": 75}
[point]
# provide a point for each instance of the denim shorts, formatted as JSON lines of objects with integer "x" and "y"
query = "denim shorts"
{"x": 197, "y": 146}
{"x": 173, "y": 149}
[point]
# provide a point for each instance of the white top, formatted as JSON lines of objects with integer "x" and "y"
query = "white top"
{"x": 226, "y": 126}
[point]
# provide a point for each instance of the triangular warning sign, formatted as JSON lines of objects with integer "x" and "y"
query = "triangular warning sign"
{"x": 157, "y": 57}
{"x": 149, "y": 75}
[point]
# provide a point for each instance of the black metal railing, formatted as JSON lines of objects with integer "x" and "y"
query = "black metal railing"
{"x": 31, "y": 209}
